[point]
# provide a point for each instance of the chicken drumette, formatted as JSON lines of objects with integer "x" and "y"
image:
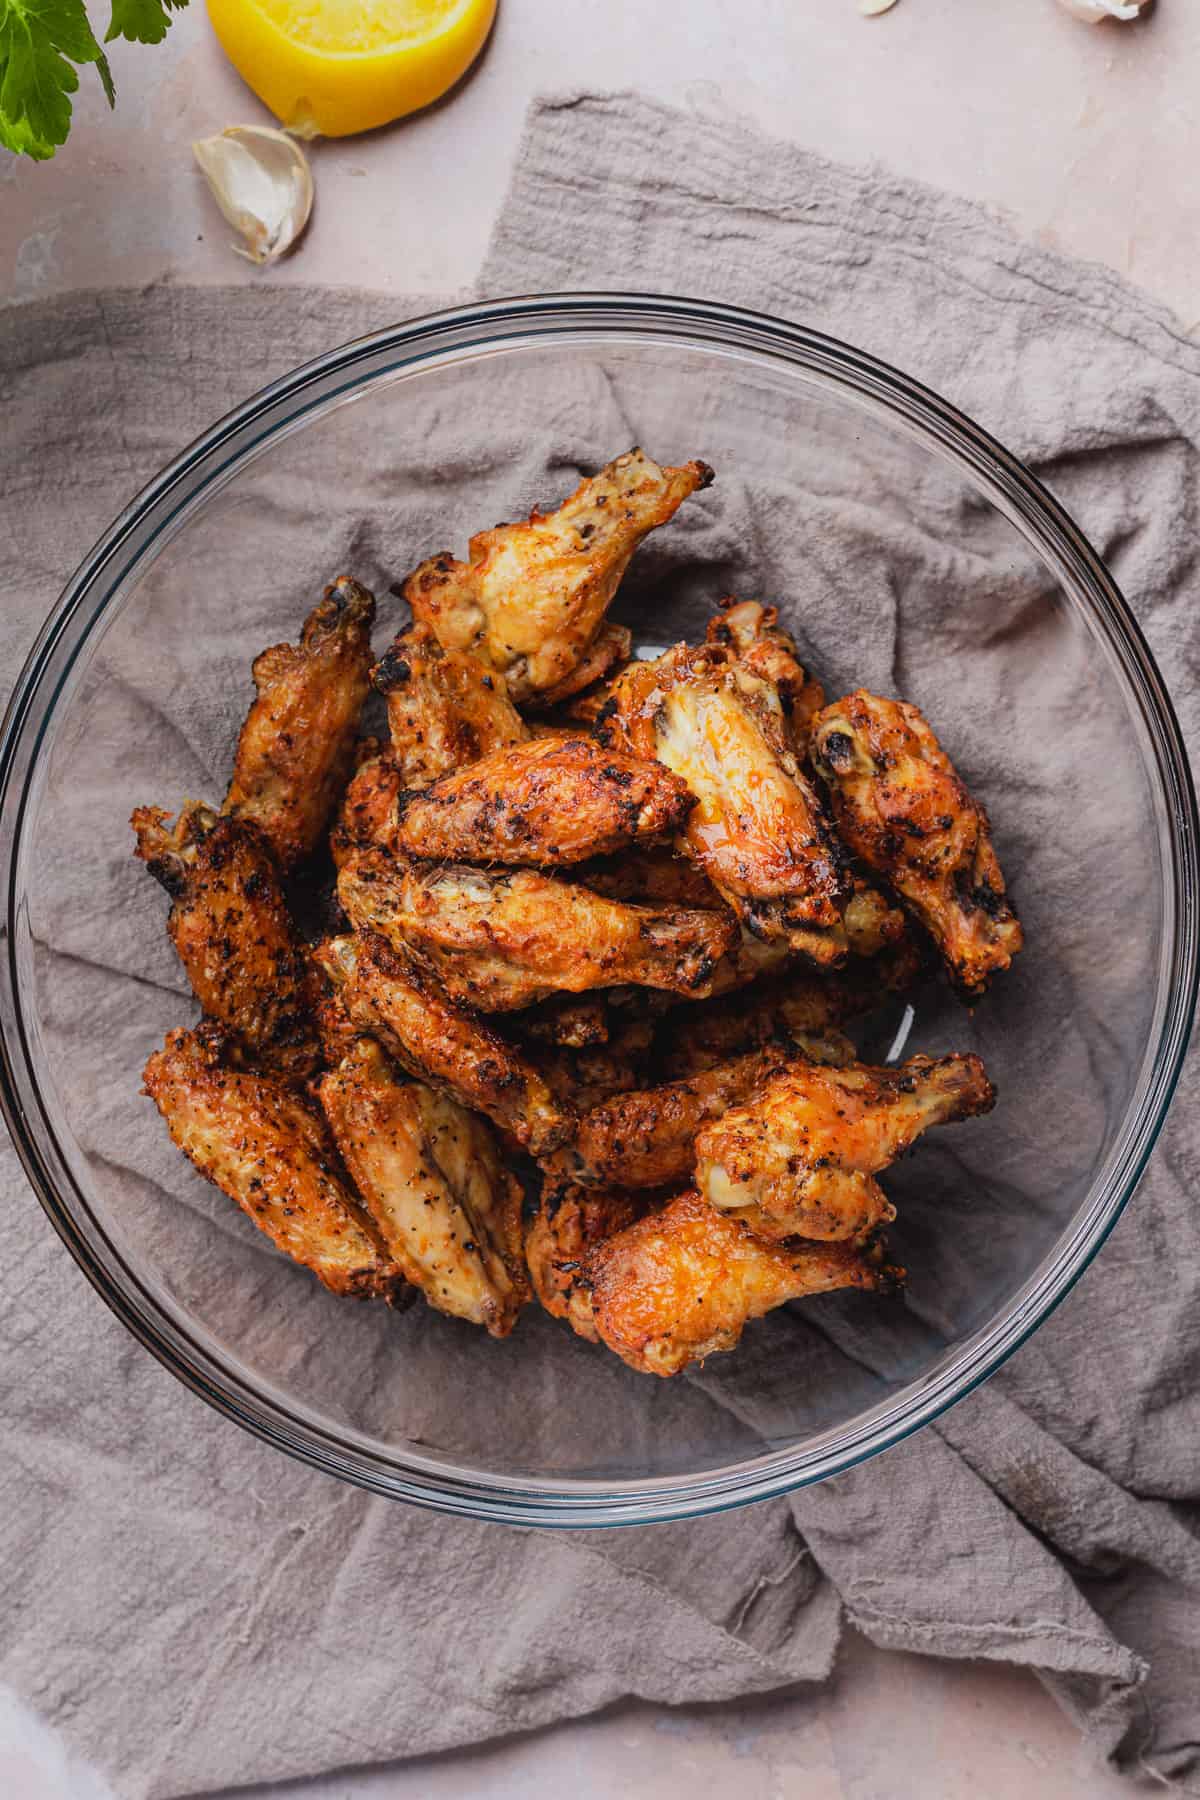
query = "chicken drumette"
{"x": 431, "y": 1176}
{"x": 296, "y": 749}
{"x": 752, "y": 633}
{"x": 904, "y": 811}
{"x": 554, "y": 801}
{"x": 388, "y": 997}
{"x": 231, "y": 928}
{"x": 532, "y": 599}
{"x": 681, "y": 1284}
{"x": 800, "y": 1159}
{"x": 504, "y": 939}
{"x": 258, "y": 1141}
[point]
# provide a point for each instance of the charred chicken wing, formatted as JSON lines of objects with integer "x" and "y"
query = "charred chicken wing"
{"x": 446, "y": 707}
{"x": 504, "y": 939}
{"x": 368, "y": 810}
{"x": 752, "y": 633}
{"x": 231, "y": 928}
{"x": 431, "y": 1177}
{"x": 609, "y": 650}
{"x": 548, "y": 803}
{"x": 389, "y": 998}
{"x": 801, "y": 1160}
{"x": 682, "y": 1283}
{"x": 570, "y": 1222}
{"x": 903, "y": 810}
{"x": 532, "y": 599}
{"x": 296, "y": 749}
{"x": 257, "y": 1140}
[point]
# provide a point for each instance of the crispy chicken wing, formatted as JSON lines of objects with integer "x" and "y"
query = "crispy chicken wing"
{"x": 296, "y": 749}
{"x": 532, "y": 599}
{"x": 753, "y": 634}
{"x": 570, "y": 1222}
{"x": 611, "y": 647}
{"x": 256, "y": 1139}
{"x": 504, "y": 939}
{"x": 656, "y": 874}
{"x": 389, "y": 998}
{"x": 368, "y": 810}
{"x": 431, "y": 1177}
{"x": 566, "y": 1021}
{"x": 550, "y": 802}
{"x": 446, "y": 707}
{"x": 903, "y": 810}
{"x": 646, "y": 1139}
{"x": 232, "y": 931}
{"x": 801, "y": 1160}
{"x": 758, "y": 830}
{"x": 682, "y": 1283}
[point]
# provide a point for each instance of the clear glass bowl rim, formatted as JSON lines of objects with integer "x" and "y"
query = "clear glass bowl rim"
{"x": 442, "y": 336}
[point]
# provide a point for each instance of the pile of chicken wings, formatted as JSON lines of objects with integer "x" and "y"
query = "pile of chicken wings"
{"x": 598, "y": 924}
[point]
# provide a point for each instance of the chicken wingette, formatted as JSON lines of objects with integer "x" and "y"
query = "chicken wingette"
{"x": 446, "y": 708}
{"x": 388, "y": 997}
{"x": 681, "y": 1284}
{"x": 646, "y": 1138}
{"x": 532, "y": 598}
{"x": 904, "y": 811}
{"x": 608, "y": 651}
{"x": 232, "y": 931}
{"x": 368, "y": 811}
{"x": 296, "y": 748}
{"x": 503, "y": 939}
{"x": 569, "y": 1223}
{"x": 257, "y": 1140}
{"x": 431, "y": 1176}
{"x": 801, "y": 1159}
{"x": 758, "y": 830}
{"x": 548, "y": 803}
{"x": 753, "y": 634}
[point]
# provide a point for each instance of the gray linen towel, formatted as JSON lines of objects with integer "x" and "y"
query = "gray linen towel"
{"x": 197, "y": 1611}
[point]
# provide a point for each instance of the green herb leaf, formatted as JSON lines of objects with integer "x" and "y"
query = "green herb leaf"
{"x": 142, "y": 21}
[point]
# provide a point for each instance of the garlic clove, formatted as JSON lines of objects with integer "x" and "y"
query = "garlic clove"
{"x": 1093, "y": 11}
{"x": 262, "y": 183}
{"x": 871, "y": 9}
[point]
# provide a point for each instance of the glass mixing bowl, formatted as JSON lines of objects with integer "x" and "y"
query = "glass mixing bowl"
{"x": 933, "y": 564}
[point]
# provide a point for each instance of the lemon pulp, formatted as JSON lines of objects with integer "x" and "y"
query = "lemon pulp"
{"x": 340, "y": 66}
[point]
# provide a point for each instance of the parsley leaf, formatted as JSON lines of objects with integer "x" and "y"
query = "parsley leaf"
{"x": 43, "y": 44}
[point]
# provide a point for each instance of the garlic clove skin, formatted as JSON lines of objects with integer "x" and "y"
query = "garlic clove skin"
{"x": 1093, "y": 12}
{"x": 260, "y": 179}
{"x": 871, "y": 9}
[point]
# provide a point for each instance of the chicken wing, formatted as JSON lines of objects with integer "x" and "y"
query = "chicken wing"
{"x": 681, "y": 1284}
{"x": 431, "y": 1177}
{"x": 296, "y": 749}
{"x": 368, "y": 810}
{"x": 758, "y": 830}
{"x": 446, "y": 707}
{"x": 503, "y": 939}
{"x": 232, "y": 931}
{"x": 570, "y": 1222}
{"x": 801, "y": 1160}
{"x": 550, "y": 802}
{"x": 904, "y": 811}
{"x": 646, "y": 1139}
{"x": 532, "y": 599}
{"x": 254, "y": 1137}
{"x": 753, "y": 634}
{"x": 609, "y": 649}
{"x": 389, "y": 998}
{"x": 656, "y": 874}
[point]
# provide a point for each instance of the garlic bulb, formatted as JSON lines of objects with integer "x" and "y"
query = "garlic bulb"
{"x": 1092, "y": 11}
{"x": 262, "y": 183}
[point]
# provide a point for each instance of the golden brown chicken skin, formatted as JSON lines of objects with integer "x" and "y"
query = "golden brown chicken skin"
{"x": 533, "y": 596}
{"x": 752, "y": 633}
{"x": 296, "y": 749}
{"x": 388, "y": 997}
{"x": 903, "y": 810}
{"x": 368, "y": 810}
{"x": 255, "y": 1138}
{"x": 232, "y": 931}
{"x": 503, "y": 939}
{"x": 758, "y": 830}
{"x": 801, "y": 1159}
{"x": 431, "y": 1177}
{"x": 646, "y": 1139}
{"x": 547, "y": 803}
{"x": 681, "y": 1284}
{"x": 656, "y": 874}
{"x": 608, "y": 651}
{"x": 569, "y": 1223}
{"x": 446, "y": 708}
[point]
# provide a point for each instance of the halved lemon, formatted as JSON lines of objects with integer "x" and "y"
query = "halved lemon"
{"x": 339, "y": 66}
